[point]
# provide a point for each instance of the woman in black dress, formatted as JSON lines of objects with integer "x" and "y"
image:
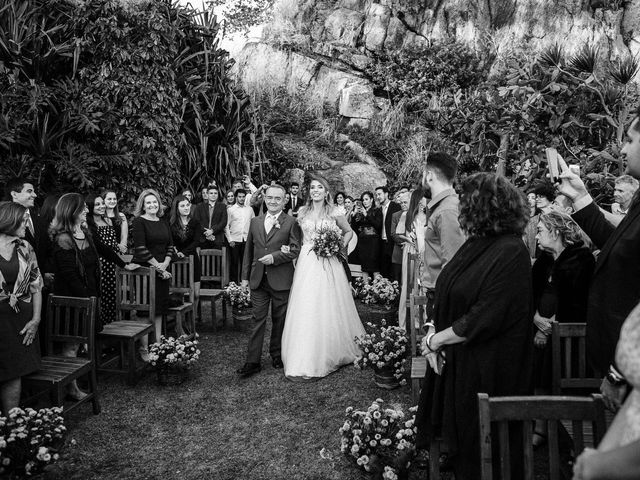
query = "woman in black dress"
{"x": 153, "y": 246}
{"x": 117, "y": 218}
{"x": 20, "y": 305}
{"x": 483, "y": 327}
{"x": 561, "y": 277}
{"x": 186, "y": 232}
{"x": 367, "y": 223}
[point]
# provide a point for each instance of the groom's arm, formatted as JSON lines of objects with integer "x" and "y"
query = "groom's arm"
{"x": 295, "y": 234}
{"x": 248, "y": 256}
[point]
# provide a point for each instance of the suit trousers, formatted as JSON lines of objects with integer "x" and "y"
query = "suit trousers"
{"x": 386, "y": 267}
{"x": 236, "y": 254}
{"x": 261, "y": 298}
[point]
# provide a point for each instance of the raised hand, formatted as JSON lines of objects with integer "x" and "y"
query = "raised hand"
{"x": 570, "y": 184}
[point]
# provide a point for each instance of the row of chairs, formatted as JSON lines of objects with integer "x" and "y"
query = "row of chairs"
{"x": 72, "y": 320}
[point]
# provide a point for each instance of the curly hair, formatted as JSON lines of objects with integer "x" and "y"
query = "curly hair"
{"x": 568, "y": 230}
{"x": 491, "y": 206}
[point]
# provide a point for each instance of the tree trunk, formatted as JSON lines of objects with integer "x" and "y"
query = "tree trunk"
{"x": 501, "y": 167}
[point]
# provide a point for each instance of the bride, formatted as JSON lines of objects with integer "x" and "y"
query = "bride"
{"x": 322, "y": 320}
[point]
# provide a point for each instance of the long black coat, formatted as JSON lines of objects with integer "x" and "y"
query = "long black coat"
{"x": 484, "y": 293}
{"x": 615, "y": 288}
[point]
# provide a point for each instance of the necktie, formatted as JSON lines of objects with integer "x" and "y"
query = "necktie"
{"x": 268, "y": 224}
{"x": 293, "y": 202}
{"x": 30, "y": 224}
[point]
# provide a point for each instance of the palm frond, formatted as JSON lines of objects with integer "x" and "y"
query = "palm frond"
{"x": 552, "y": 56}
{"x": 585, "y": 60}
{"x": 625, "y": 70}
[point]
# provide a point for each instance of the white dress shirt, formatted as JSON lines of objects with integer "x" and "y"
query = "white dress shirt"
{"x": 238, "y": 221}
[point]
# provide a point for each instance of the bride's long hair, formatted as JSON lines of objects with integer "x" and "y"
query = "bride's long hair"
{"x": 327, "y": 205}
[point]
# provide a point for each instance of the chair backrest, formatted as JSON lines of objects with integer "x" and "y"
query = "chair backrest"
{"x": 182, "y": 277}
{"x": 417, "y": 311}
{"x": 214, "y": 265}
{"x": 70, "y": 320}
{"x": 136, "y": 290}
{"x": 503, "y": 411}
{"x": 569, "y": 370}
{"x": 409, "y": 278}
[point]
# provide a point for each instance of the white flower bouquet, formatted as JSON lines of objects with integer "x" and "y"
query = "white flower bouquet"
{"x": 380, "y": 440}
{"x": 174, "y": 353}
{"x": 327, "y": 241}
{"x": 29, "y": 440}
{"x": 384, "y": 347}
{"x": 238, "y": 296}
{"x": 381, "y": 291}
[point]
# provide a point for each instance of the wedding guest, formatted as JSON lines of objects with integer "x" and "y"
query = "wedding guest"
{"x": 287, "y": 198}
{"x": 545, "y": 194}
{"x": 613, "y": 292}
{"x": 410, "y": 231}
{"x": 153, "y": 246}
{"x": 367, "y": 223}
{"x": 482, "y": 324}
{"x": 212, "y": 217}
{"x": 236, "y": 231}
{"x": 118, "y": 219}
{"x": 339, "y": 203}
{"x": 388, "y": 208}
{"x": 21, "y": 191}
{"x": 186, "y": 193}
{"x": 531, "y": 229}
{"x": 561, "y": 277}
{"x": 397, "y": 218}
{"x": 75, "y": 259}
{"x": 103, "y": 235}
{"x": 247, "y": 185}
{"x": 186, "y": 233}
{"x": 443, "y": 235}
{"x": 623, "y": 192}
{"x": 203, "y": 195}
{"x": 348, "y": 208}
{"x": 296, "y": 200}
{"x": 20, "y": 305}
{"x": 230, "y": 198}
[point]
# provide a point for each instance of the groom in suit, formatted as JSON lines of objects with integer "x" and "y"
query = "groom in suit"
{"x": 268, "y": 271}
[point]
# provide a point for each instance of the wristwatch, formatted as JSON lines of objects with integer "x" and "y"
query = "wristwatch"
{"x": 614, "y": 379}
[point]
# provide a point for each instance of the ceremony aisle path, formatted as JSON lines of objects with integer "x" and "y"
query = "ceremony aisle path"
{"x": 217, "y": 426}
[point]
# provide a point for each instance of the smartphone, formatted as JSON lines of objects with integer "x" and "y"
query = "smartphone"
{"x": 359, "y": 203}
{"x": 552, "y": 160}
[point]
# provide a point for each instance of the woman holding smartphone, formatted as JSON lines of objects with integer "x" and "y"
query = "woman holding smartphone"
{"x": 367, "y": 223}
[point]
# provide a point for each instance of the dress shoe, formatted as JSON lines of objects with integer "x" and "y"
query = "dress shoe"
{"x": 249, "y": 369}
{"x": 277, "y": 362}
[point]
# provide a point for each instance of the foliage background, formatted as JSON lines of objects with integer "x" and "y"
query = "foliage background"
{"x": 99, "y": 94}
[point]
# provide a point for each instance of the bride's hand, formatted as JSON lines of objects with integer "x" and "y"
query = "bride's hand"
{"x": 285, "y": 249}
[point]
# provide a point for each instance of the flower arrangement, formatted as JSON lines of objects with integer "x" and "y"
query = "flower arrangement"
{"x": 380, "y": 440}
{"x": 380, "y": 291}
{"x": 327, "y": 241}
{"x": 29, "y": 440}
{"x": 384, "y": 347}
{"x": 174, "y": 353}
{"x": 238, "y": 296}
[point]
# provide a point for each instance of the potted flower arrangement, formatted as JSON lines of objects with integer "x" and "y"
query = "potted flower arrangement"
{"x": 174, "y": 357}
{"x": 378, "y": 298}
{"x": 381, "y": 440}
{"x": 384, "y": 349}
{"x": 30, "y": 440}
{"x": 240, "y": 299}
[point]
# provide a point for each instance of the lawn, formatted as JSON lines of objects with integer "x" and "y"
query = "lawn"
{"x": 218, "y": 426}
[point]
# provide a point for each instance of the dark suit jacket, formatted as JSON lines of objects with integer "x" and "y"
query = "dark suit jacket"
{"x": 289, "y": 206}
{"x": 35, "y": 239}
{"x": 615, "y": 288}
{"x": 393, "y": 208}
{"x": 396, "y": 256}
{"x": 217, "y": 223}
{"x": 280, "y": 274}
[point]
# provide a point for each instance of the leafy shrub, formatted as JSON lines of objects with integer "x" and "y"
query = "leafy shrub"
{"x": 415, "y": 73}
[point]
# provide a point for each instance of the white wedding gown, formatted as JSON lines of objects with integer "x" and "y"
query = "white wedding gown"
{"x": 322, "y": 321}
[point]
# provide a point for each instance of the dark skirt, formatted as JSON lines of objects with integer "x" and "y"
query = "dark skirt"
{"x": 369, "y": 248}
{"x": 16, "y": 359}
{"x": 197, "y": 267}
{"x": 162, "y": 295}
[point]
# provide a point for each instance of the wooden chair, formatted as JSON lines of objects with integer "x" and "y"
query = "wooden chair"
{"x": 69, "y": 320}
{"x": 135, "y": 292}
{"x": 182, "y": 281}
{"x": 418, "y": 362}
{"x": 569, "y": 372}
{"x": 504, "y": 410}
{"x": 215, "y": 270}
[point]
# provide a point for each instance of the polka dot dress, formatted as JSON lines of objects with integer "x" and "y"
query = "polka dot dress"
{"x": 107, "y": 235}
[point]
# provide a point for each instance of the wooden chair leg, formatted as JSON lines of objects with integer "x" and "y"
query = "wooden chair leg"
{"x": 93, "y": 387}
{"x": 434, "y": 459}
{"x": 131, "y": 367}
{"x": 59, "y": 392}
{"x": 415, "y": 391}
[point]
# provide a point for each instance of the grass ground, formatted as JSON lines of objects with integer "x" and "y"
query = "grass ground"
{"x": 217, "y": 426}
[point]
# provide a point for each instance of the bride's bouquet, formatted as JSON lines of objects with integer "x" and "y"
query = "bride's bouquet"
{"x": 327, "y": 241}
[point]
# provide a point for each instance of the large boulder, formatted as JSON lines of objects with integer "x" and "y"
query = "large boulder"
{"x": 344, "y": 26}
{"x": 356, "y": 101}
{"x": 375, "y": 27}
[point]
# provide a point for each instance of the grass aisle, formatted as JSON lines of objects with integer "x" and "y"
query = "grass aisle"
{"x": 217, "y": 426}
